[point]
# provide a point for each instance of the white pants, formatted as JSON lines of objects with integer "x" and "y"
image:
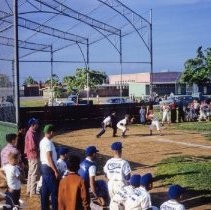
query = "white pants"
{"x": 114, "y": 187}
{"x": 122, "y": 127}
{"x": 166, "y": 116}
{"x": 155, "y": 123}
{"x": 115, "y": 206}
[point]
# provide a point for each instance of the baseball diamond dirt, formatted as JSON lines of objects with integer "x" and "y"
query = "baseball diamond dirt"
{"x": 140, "y": 149}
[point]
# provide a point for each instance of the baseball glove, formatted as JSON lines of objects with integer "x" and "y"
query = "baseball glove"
{"x": 99, "y": 201}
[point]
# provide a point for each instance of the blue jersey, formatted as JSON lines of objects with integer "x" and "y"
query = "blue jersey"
{"x": 84, "y": 170}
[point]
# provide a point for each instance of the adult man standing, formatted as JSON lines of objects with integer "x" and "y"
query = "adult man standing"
{"x": 117, "y": 170}
{"x": 109, "y": 121}
{"x": 32, "y": 152}
{"x": 50, "y": 174}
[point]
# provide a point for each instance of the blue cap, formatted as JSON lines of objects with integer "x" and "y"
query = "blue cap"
{"x": 33, "y": 121}
{"x": 175, "y": 191}
{"x": 135, "y": 180}
{"x": 116, "y": 145}
{"x": 146, "y": 179}
{"x": 63, "y": 150}
{"x": 91, "y": 150}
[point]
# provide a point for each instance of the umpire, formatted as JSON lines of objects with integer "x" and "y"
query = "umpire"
{"x": 109, "y": 121}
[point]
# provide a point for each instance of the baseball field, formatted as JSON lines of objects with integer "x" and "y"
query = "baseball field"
{"x": 166, "y": 157}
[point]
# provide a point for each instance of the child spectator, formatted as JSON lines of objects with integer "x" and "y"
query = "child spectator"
{"x": 61, "y": 162}
{"x": 117, "y": 170}
{"x": 175, "y": 192}
{"x": 72, "y": 191}
{"x": 118, "y": 200}
{"x": 12, "y": 174}
{"x": 9, "y": 148}
{"x": 140, "y": 198}
{"x": 142, "y": 114}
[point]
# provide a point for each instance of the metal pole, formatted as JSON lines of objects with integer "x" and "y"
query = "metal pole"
{"x": 151, "y": 56}
{"x": 16, "y": 61}
{"x": 52, "y": 75}
{"x": 87, "y": 67}
{"x": 120, "y": 57}
{"x": 87, "y": 86}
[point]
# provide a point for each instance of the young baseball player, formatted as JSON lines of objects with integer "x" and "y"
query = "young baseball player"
{"x": 140, "y": 198}
{"x": 109, "y": 121}
{"x": 12, "y": 174}
{"x": 61, "y": 162}
{"x": 88, "y": 169}
{"x": 122, "y": 124}
{"x": 118, "y": 200}
{"x": 175, "y": 192}
{"x": 154, "y": 122}
{"x": 116, "y": 170}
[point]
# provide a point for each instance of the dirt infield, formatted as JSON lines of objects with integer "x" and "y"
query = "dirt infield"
{"x": 140, "y": 149}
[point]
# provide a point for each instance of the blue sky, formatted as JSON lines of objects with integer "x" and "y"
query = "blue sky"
{"x": 179, "y": 28}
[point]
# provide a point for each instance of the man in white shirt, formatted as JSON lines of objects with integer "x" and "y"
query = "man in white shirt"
{"x": 117, "y": 170}
{"x": 140, "y": 198}
{"x": 118, "y": 200}
{"x": 50, "y": 174}
{"x": 175, "y": 192}
{"x": 109, "y": 121}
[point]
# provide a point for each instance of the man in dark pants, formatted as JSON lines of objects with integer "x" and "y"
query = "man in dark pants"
{"x": 109, "y": 121}
{"x": 181, "y": 114}
{"x": 50, "y": 174}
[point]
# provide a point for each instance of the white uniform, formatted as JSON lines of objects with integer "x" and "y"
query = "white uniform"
{"x": 122, "y": 125}
{"x": 155, "y": 122}
{"x": 139, "y": 200}
{"x": 118, "y": 200}
{"x": 166, "y": 113}
{"x": 172, "y": 205}
{"x": 116, "y": 169}
{"x": 107, "y": 121}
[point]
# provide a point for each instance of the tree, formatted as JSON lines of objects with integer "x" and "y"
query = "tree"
{"x": 198, "y": 70}
{"x": 54, "y": 79}
{"x": 79, "y": 80}
{"x": 30, "y": 81}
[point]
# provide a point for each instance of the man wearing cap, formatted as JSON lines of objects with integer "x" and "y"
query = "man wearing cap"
{"x": 50, "y": 174}
{"x": 109, "y": 121}
{"x": 140, "y": 198}
{"x": 32, "y": 153}
{"x": 88, "y": 169}
{"x": 175, "y": 192}
{"x": 118, "y": 200}
{"x": 117, "y": 170}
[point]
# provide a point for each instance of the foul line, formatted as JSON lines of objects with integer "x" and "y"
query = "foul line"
{"x": 183, "y": 143}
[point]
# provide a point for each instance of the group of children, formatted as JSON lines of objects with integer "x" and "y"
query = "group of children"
{"x": 126, "y": 191}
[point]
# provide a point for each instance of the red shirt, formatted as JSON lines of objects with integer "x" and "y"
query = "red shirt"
{"x": 31, "y": 144}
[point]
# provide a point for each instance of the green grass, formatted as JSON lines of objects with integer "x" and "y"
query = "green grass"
{"x": 191, "y": 172}
{"x": 32, "y": 102}
{"x": 201, "y": 127}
